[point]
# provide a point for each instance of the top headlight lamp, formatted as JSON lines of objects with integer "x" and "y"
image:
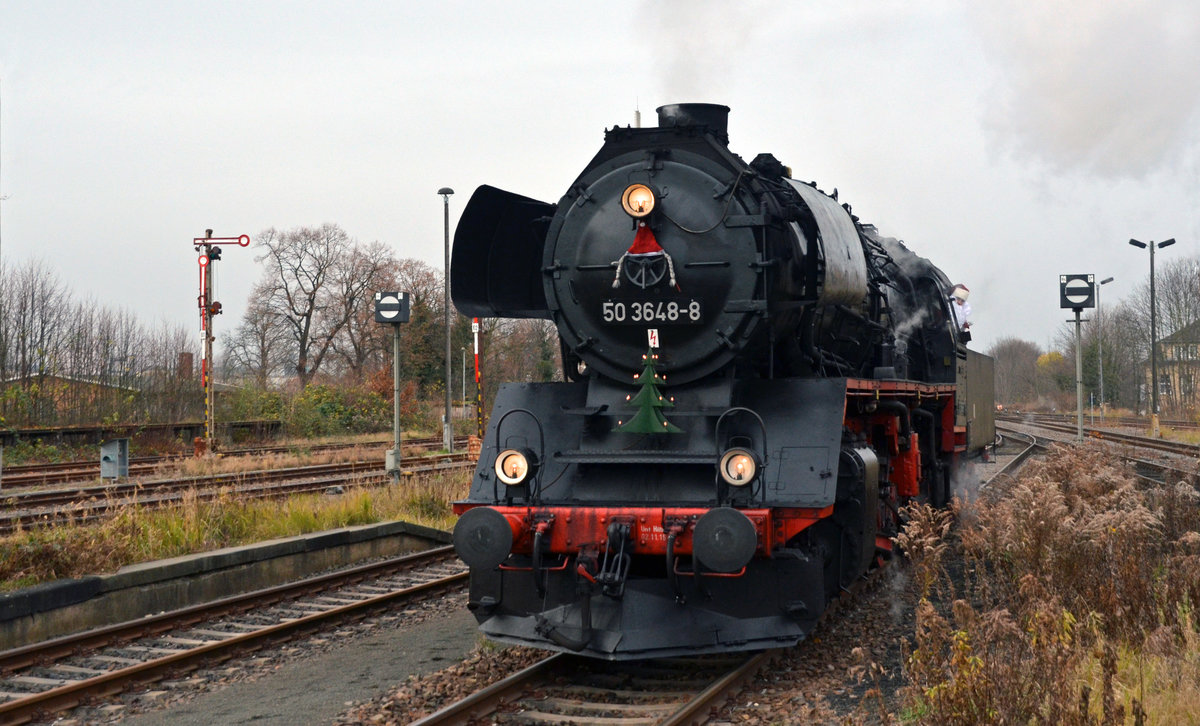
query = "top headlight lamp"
{"x": 638, "y": 200}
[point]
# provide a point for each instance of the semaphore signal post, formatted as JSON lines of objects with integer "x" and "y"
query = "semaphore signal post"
{"x": 210, "y": 251}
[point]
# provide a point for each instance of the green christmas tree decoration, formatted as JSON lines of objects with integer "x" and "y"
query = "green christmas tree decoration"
{"x": 650, "y": 402}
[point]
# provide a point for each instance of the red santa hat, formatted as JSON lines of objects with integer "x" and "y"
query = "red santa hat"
{"x": 644, "y": 243}
{"x": 645, "y": 246}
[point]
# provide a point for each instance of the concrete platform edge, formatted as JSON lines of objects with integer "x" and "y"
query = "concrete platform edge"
{"x": 58, "y": 608}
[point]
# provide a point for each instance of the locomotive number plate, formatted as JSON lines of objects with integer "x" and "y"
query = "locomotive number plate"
{"x": 637, "y": 313}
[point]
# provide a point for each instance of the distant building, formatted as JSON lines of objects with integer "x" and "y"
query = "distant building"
{"x": 1179, "y": 370}
{"x": 48, "y": 399}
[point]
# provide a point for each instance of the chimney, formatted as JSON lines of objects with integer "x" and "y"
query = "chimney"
{"x": 714, "y": 117}
{"x": 184, "y": 366}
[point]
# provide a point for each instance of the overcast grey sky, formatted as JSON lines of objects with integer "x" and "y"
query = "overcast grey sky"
{"x": 1007, "y": 141}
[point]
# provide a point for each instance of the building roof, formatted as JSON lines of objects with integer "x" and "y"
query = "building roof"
{"x": 40, "y": 377}
{"x": 1189, "y": 333}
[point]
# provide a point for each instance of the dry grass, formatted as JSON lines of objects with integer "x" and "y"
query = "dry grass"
{"x": 137, "y": 534}
{"x": 1076, "y": 606}
{"x": 301, "y": 456}
{"x": 1186, "y": 436}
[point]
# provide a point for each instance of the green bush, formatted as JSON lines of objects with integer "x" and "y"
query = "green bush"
{"x": 248, "y": 404}
{"x": 321, "y": 410}
{"x": 37, "y": 451}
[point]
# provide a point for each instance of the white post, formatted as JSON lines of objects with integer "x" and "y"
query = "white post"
{"x": 1078, "y": 378}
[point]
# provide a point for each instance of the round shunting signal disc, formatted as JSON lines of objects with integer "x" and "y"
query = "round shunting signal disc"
{"x": 1078, "y": 291}
{"x": 388, "y": 306}
{"x": 203, "y": 260}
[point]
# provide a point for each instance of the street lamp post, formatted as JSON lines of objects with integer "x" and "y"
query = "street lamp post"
{"x": 463, "y": 400}
{"x": 1153, "y": 332}
{"x": 447, "y": 428}
{"x": 2, "y": 198}
{"x": 1100, "y": 341}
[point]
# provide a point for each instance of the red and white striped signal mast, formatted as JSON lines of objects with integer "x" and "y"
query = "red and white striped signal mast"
{"x": 208, "y": 308}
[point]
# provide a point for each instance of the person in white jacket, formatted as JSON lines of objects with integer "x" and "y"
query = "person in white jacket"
{"x": 962, "y": 310}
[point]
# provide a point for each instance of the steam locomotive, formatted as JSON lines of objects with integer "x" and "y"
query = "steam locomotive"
{"x": 755, "y": 383}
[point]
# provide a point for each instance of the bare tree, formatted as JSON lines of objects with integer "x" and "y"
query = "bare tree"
{"x": 5, "y": 326}
{"x": 171, "y": 389}
{"x": 300, "y": 288}
{"x": 1127, "y": 327}
{"x": 522, "y": 350}
{"x": 1177, "y": 298}
{"x": 1177, "y": 290}
{"x": 1016, "y": 370}
{"x": 367, "y": 269}
{"x": 34, "y": 313}
{"x": 260, "y": 343}
{"x": 422, "y": 339}
{"x": 1126, "y": 352}
{"x": 68, "y": 360}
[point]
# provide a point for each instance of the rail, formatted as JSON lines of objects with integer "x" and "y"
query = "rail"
{"x": 565, "y": 688}
{"x": 186, "y": 430}
{"x": 29, "y": 508}
{"x": 27, "y": 475}
{"x": 178, "y": 640}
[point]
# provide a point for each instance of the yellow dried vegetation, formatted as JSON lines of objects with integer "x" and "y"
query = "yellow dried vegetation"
{"x": 139, "y": 534}
{"x": 1073, "y": 604}
{"x": 298, "y": 454}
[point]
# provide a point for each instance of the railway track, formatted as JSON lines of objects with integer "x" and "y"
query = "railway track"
{"x": 1130, "y": 421}
{"x": 30, "y": 508}
{"x": 1031, "y": 445}
{"x": 1139, "y": 442}
{"x": 1181, "y": 466}
{"x": 40, "y": 680}
{"x": 1177, "y": 448}
{"x": 568, "y": 689}
{"x": 29, "y": 475}
{"x": 565, "y": 688}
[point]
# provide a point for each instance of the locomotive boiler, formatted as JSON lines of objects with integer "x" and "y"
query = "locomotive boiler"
{"x": 755, "y": 383}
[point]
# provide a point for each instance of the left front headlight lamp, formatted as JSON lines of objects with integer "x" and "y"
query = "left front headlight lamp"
{"x": 515, "y": 466}
{"x": 739, "y": 466}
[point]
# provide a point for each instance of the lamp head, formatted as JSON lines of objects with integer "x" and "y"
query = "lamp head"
{"x": 446, "y": 191}
{"x": 1135, "y": 243}
{"x": 1166, "y": 243}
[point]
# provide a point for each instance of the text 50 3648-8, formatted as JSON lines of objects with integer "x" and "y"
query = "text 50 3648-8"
{"x": 657, "y": 311}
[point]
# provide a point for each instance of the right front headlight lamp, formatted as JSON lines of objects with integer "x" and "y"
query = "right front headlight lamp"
{"x": 515, "y": 466}
{"x": 738, "y": 466}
